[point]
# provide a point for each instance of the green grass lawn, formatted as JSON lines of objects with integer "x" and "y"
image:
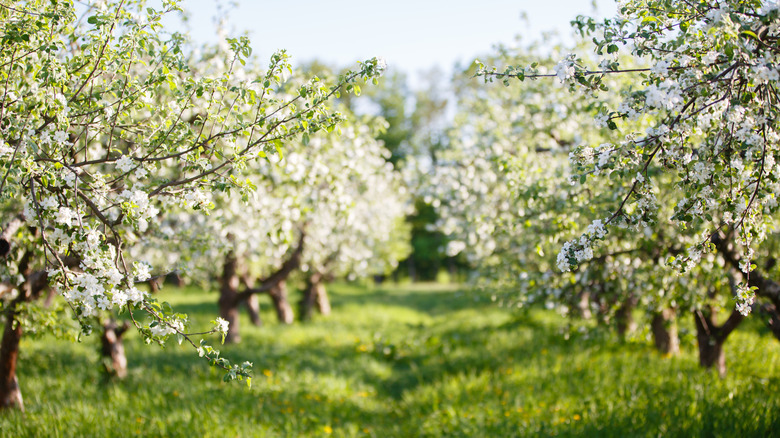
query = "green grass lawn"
{"x": 417, "y": 360}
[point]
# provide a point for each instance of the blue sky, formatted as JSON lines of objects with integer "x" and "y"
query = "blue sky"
{"x": 411, "y": 35}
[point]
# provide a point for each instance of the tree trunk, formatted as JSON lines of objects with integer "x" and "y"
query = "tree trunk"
{"x": 253, "y": 309}
{"x": 582, "y": 308}
{"x": 228, "y": 297}
{"x": 50, "y": 295}
{"x": 711, "y": 353}
{"x": 664, "y": 328}
{"x": 308, "y": 298}
{"x": 314, "y": 294}
{"x": 113, "y": 350}
{"x": 155, "y": 285}
{"x": 10, "y": 394}
{"x": 323, "y": 302}
{"x": 275, "y": 285}
{"x": 711, "y": 337}
{"x": 175, "y": 279}
{"x": 278, "y": 294}
{"x": 30, "y": 289}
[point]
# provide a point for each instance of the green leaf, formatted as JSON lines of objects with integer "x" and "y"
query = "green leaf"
{"x": 749, "y": 33}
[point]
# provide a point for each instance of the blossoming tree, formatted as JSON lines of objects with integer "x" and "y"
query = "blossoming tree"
{"x": 106, "y": 123}
{"x": 503, "y": 189}
{"x": 710, "y": 93}
{"x": 332, "y": 207}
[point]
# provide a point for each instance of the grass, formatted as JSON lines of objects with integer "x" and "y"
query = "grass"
{"x": 400, "y": 362}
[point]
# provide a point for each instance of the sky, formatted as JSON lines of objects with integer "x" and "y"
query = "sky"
{"x": 412, "y": 35}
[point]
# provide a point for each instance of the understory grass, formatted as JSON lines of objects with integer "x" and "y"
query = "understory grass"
{"x": 402, "y": 361}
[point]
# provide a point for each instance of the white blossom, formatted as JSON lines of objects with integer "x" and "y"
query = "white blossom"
{"x": 125, "y": 164}
{"x": 565, "y": 70}
{"x": 221, "y": 325}
{"x": 61, "y": 137}
{"x": 4, "y": 149}
{"x": 65, "y": 216}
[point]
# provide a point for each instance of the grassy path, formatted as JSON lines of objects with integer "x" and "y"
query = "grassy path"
{"x": 401, "y": 362}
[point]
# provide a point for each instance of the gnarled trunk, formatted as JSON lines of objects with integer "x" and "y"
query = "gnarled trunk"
{"x": 323, "y": 302}
{"x": 112, "y": 349}
{"x": 711, "y": 337}
{"x": 29, "y": 290}
{"x": 308, "y": 298}
{"x": 175, "y": 279}
{"x": 711, "y": 354}
{"x": 624, "y": 317}
{"x": 664, "y": 328}
{"x": 314, "y": 294}
{"x": 765, "y": 287}
{"x": 34, "y": 283}
{"x": 155, "y": 284}
{"x": 274, "y": 285}
{"x": 10, "y": 394}
{"x": 253, "y": 309}
{"x": 710, "y": 349}
{"x": 228, "y": 297}
{"x": 282, "y": 306}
